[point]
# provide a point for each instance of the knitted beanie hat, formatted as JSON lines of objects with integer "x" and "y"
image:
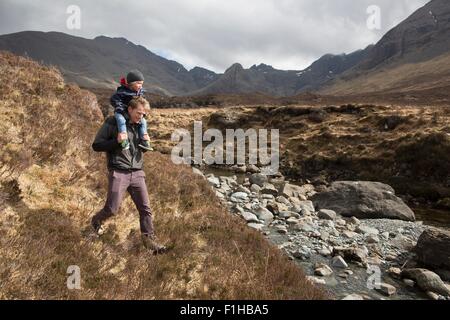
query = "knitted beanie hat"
{"x": 134, "y": 75}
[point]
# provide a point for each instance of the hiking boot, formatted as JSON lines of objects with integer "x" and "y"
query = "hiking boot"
{"x": 144, "y": 144}
{"x": 98, "y": 228}
{"x": 125, "y": 144}
{"x": 150, "y": 243}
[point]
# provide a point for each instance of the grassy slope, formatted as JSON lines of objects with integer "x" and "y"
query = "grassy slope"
{"x": 411, "y": 77}
{"x": 51, "y": 183}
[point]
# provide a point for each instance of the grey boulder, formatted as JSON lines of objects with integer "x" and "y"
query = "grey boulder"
{"x": 363, "y": 199}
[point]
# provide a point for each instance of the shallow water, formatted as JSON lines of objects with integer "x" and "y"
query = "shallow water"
{"x": 433, "y": 217}
{"x": 356, "y": 283}
{"x": 218, "y": 172}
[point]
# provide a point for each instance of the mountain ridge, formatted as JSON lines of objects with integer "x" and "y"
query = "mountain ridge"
{"x": 413, "y": 47}
{"x": 100, "y": 62}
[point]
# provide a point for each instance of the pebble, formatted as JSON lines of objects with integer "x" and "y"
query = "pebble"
{"x": 302, "y": 254}
{"x": 250, "y": 217}
{"x": 353, "y": 296}
{"x": 323, "y": 270}
{"x": 349, "y": 272}
{"x": 281, "y": 229}
{"x": 284, "y": 214}
{"x": 240, "y": 195}
{"x": 257, "y": 226}
{"x": 255, "y": 188}
{"x": 316, "y": 280}
{"x": 367, "y": 230}
{"x": 409, "y": 282}
{"x": 326, "y": 214}
{"x": 325, "y": 252}
{"x": 349, "y": 234}
{"x": 339, "y": 262}
{"x": 432, "y": 295}
{"x": 292, "y": 221}
{"x": 214, "y": 181}
{"x": 387, "y": 289}
{"x": 372, "y": 238}
{"x": 394, "y": 272}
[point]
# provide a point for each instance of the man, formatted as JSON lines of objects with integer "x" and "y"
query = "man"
{"x": 125, "y": 173}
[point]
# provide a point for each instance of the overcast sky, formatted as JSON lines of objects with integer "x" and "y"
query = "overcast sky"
{"x": 287, "y": 34}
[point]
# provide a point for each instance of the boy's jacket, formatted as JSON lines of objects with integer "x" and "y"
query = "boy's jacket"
{"x": 122, "y": 97}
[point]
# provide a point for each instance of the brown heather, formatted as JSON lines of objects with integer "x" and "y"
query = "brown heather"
{"x": 51, "y": 183}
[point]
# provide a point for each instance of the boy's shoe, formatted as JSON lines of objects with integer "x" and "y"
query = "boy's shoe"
{"x": 150, "y": 243}
{"x": 144, "y": 144}
{"x": 125, "y": 144}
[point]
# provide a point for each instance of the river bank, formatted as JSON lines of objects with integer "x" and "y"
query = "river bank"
{"x": 349, "y": 257}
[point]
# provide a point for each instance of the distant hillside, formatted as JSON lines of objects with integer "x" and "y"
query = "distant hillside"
{"x": 100, "y": 62}
{"x": 415, "y": 55}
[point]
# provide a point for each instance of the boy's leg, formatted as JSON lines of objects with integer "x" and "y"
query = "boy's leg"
{"x": 143, "y": 129}
{"x": 122, "y": 128}
{"x": 143, "y": 135}
{"x": 121, "y": 123}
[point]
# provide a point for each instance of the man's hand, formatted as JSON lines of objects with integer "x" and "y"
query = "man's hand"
{"x": 122, "y": 136}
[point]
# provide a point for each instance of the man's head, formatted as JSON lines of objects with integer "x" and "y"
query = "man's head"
{"x": 137, "y": 108}
{"x": 135, "y": 80}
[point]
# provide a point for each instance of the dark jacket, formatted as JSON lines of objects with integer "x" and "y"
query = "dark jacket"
{"x": 122, "y": 97}
{"x": 119, "y": 159}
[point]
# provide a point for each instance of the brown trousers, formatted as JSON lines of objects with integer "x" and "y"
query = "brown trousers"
{"x": 134, "y": 183}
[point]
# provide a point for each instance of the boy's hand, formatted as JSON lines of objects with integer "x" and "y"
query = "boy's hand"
{"x": 122, "y": 136}
{"x": 145, "y": 137}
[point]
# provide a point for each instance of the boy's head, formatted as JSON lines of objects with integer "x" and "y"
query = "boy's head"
{"x": 135, "y": 80}
{"x": 137, "y": 109}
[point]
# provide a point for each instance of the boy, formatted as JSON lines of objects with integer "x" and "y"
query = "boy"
{"x": 130, "y": 87}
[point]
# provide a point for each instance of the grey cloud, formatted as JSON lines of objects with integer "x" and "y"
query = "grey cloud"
{"x": 288, "y": 34}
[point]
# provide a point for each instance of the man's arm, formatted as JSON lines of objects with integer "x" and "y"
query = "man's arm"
{"x": 105, "y": 140}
